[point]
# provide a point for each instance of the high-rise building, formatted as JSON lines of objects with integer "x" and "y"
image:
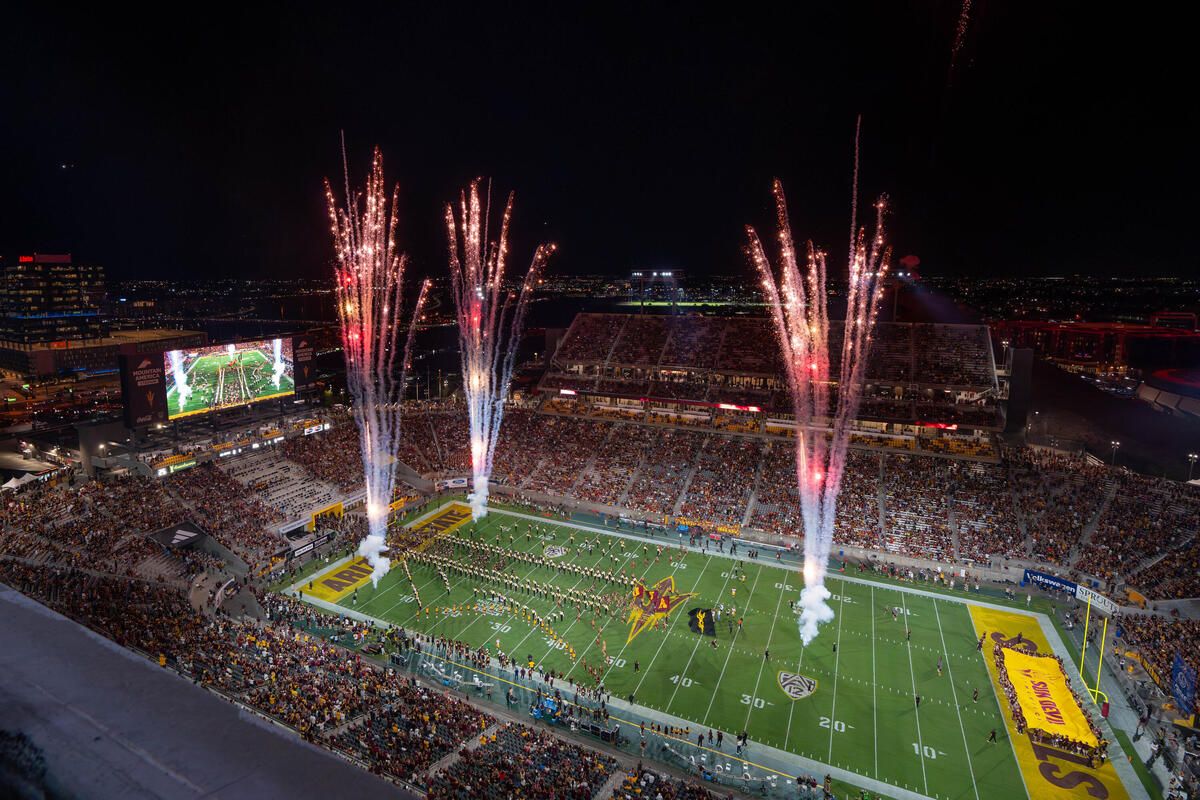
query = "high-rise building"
{"x": 48, "y": 300}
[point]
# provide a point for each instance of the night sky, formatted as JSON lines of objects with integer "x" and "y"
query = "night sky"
{"x": 1063, "y": 142}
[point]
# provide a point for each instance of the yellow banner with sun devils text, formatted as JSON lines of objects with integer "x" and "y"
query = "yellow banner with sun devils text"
{"x": 1046, "y": 700}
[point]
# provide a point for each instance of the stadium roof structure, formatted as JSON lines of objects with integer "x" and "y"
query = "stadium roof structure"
{"x": 107, "y": 722}
{"x": 708, "y": 360}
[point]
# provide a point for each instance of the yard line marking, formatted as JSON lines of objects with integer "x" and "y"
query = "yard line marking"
{"x": 763, "y": 665}
{"x": 916, "y": 708}
{"x": 713, "y": 695}
{"x": 874, "y": 704}
{"x": 603, "y": 628}
{"x": 563, "y": 635}
{"x": 788, "y": 734}
{"x": 837, "y": 660}
{"x": 453, "y": 586}
{"x": 720, "y": 594}
{"x": 533, "y": 628}
{"x": 666, "y": 635}
{"x": 465, "y": 578}
{"x": 961, "y": 727}
{"x": 401, "y": 582}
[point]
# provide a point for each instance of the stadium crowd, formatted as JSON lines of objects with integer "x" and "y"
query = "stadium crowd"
{"x": 518, "y": 761}
{"x": 392, "y": 724}
{"x": 1155, "y": 640}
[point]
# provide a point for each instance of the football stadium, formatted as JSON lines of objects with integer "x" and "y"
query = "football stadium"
{"x": 224, "y": 376}
{"x": 623, "y": 622}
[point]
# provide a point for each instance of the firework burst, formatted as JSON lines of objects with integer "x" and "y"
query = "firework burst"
{"x": 369, "y": 287}
{"x": 825, "y": 404}
{"x": 490, "y": 320}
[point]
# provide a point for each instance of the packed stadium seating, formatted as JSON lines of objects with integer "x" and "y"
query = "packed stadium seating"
{"x": 289, "y": 488}
{"x": 1059, "y": 496}
{"x": 719, "y": 490}
{"x": 222, "y": 507}
{"x": 388, "y": 722}
{"x": 324, "y": 456}
{"x": 517, "y": 761}
{"x": 916, "y": 508}
{"x": 1156, "y": 640}
{"x": 735, "y": 360}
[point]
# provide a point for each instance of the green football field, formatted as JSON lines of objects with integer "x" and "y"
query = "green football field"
{"x": 862, "y": 715}
{"x": 218, "y": 383}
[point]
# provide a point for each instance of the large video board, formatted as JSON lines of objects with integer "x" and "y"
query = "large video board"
{"x": 211, "y": 378}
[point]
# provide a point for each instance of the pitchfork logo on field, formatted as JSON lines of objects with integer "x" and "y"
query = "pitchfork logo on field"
{"x": 796, "y": 686}
{"x": 653, "y": 604}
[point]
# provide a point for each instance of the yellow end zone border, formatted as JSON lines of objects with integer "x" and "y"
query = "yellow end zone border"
{"x": 1048, "y": 772}
{"x": 338, "y": 581}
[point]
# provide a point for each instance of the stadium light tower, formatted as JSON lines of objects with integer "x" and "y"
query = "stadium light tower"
{"x": 1192, "y": 457}
{"x": 647, "y": 279}
{"x": 1115, "y": 447}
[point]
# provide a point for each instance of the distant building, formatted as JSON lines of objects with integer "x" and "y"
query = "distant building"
{"x": 48, "y": 299}
{"x": 93, "y": 357}
{"x": 52, "y": 322}
{"x": 1168, "y": 340}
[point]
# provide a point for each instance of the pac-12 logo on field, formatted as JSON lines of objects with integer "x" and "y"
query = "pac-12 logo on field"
{"x": 555, "y": 551}
{"x": 796, "y": 686}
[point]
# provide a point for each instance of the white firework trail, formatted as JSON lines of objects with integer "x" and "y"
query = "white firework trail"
{"x": 369, "y": 287}
{"x": 799, "y": 308}
{"x": 490, "y": 321}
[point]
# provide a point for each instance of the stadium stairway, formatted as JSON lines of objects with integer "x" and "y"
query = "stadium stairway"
{"x": 1150, "y": 561}
{"x": 1089, "y": 530}
{"x": 677, "y": 509}
{"x": 451, "y": 758}
{"x": 609, "y": 789}
{"x": 623, "y": 500}
{"x": 1018, "y": 510}
{"x": 952, "y": 519}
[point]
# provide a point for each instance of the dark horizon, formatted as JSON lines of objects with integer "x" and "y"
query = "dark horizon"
{"x": 647, "y": 141}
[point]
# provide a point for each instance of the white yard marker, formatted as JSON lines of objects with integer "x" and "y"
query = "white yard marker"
{"x": 762, "y": 666}
{"x": 916, "y": 708}
{"x": 837, "y": 660}
{"x": 721, "y": 594}
{"x": 954, "y": 692}
{"x": 666, "y": 634}
{"x": 713, "y": 696}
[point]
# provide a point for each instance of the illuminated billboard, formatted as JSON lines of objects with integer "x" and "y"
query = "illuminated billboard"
{"x": 221, "y": 376}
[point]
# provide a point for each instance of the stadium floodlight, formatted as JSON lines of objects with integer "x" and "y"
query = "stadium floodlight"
{"x": 1192, "y": 458}
{"x": 1115, "y": 447}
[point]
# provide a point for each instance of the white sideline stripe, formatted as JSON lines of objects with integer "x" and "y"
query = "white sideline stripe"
{"x": 683, "y": 673}
{"x": 762, "y": 666}
{"x": 954, "y": 694}
{"x": 874, "y": 703}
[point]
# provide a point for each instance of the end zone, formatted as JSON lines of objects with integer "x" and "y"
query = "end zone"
{"x": 341, "y": 579}
{"x": 1047, "y": 771}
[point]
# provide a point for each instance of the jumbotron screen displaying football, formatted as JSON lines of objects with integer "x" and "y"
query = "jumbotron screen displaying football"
{"x": 210, "y": 378}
